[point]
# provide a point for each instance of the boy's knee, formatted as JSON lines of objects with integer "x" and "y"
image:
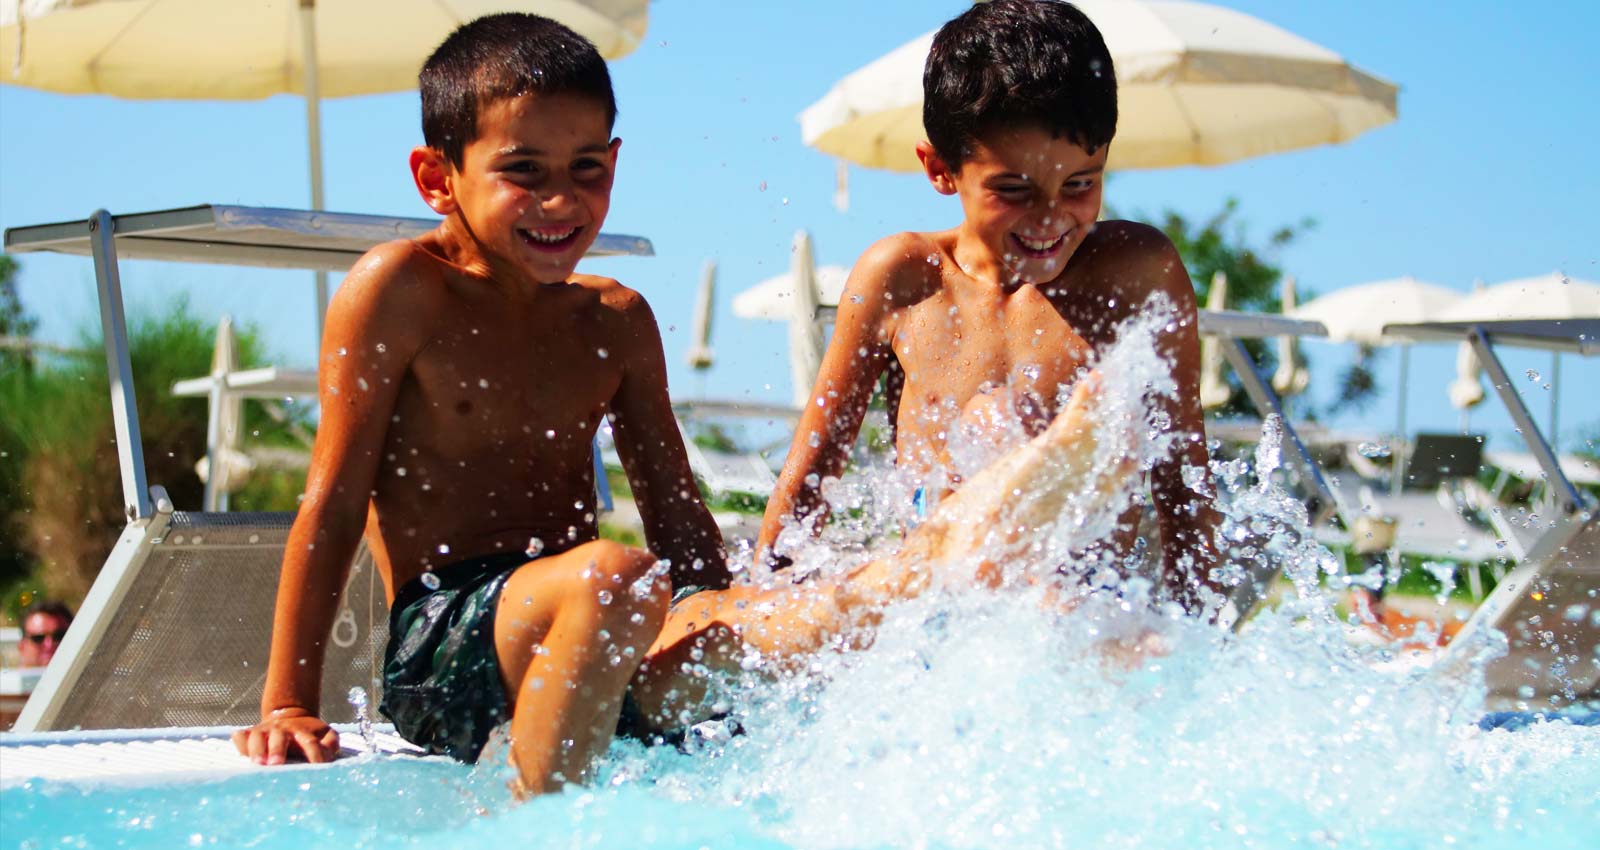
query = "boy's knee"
{"x": 627, "y": 584}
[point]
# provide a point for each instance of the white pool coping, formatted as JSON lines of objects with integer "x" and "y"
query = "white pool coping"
{"x": 148, "y": 756}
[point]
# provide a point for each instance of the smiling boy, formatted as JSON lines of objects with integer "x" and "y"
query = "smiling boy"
{"x": 463, "y": 376}
{"x": 1020, "y": 107}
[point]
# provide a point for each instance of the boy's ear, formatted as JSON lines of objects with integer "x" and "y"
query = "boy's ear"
{"x": 938, "y": 171}
{"x": 432, "y": 172}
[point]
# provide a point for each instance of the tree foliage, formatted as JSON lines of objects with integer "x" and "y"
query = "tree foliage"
{"x": 1221, "y": 243}
{"x": 63, "y": 506}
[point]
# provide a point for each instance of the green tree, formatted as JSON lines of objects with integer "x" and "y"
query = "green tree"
{"x": 1222, "y": 243}
{"x": 66, "y": 509}
{"x": 15, "y": 325}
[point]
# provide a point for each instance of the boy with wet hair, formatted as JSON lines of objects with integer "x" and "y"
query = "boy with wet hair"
{"x": 463, "y": 376}
{"x": 1020, "y": 108}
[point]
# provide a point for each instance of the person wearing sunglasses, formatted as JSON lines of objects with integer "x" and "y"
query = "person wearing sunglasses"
{"x": 44, "y": 625}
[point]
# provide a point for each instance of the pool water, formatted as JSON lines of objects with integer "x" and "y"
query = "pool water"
{"x": 979, "y": 719}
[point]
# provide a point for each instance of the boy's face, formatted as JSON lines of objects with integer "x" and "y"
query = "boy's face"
{"x": 1028, "y": 198}
{"x": 534, "y": 187}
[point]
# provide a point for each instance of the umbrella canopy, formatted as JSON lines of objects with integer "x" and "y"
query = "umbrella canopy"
{"x": 1358, "y": 313}
{"x": 1551, "y": 296}
{"x": 203, "y": 49}
{"x": 1197, "y": 85}
{"x": 248, "y": 49}
{"x": 772, "y": 299}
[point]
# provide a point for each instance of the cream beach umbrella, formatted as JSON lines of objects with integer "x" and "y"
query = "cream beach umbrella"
{"x": 771, "y": 298}
{"x": 1358, "y": 314}
{"x": 1291, "y": 377}
{"x": 1197, "y": 85}
{"x": 1214, "y": 391}
{"x": 1551, "y": 296}
{"x": 248, "y": 49}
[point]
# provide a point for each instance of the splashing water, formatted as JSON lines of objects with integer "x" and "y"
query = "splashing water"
{"x": 992, "y": 718}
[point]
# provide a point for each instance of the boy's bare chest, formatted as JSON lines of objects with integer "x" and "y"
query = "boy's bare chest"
{"x": 951, "y": 348}
{"x": 504, "y": 385}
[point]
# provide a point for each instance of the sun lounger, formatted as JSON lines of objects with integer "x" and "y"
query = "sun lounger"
{"x": 1547, "y": 608}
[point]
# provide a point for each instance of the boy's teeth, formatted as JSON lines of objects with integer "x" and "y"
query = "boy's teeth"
{"x": 549, "y": 237}
{"x": 1036, "y": 244}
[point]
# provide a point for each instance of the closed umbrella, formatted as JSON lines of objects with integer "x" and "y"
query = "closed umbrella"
{"x": 700, "y": 356}
{"x": 248, "y": 49}
{"x": 1466, "y": 391}
{"x": 805, "y": 332}
{"x": 1214, "y": 391}
{"x": 1197, "y": 85}
{"x": 1291, "y": 377}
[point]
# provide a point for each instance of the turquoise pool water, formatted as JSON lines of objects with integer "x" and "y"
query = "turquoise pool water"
{"x": 1005, "y": 729}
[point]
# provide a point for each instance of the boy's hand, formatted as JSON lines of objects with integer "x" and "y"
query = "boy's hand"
{"x": 285, "y": 730}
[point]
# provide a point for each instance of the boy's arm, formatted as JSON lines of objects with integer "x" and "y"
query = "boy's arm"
{"x": 365, "y": 351}
{"x": 857, "y": 355}
{"x": 677, "y": 523}
{"x": 1189, "y": 518}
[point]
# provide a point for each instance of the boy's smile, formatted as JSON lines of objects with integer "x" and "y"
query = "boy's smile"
{"x": 533, "y": 187}
{"x": 1028, "y": 198}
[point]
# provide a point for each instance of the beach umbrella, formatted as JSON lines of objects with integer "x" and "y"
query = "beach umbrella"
{"x": 1291, "y": 377}
{"x": 805, "y": 332}
{"x": 1550, "y": 296}
{"x": 249, "y": 49}
{"x": 1197, "y": 85}
{"x": 1358, "y": 314}
{"x": 700, "y": 355}
{"x": 770, "y": 299}
{"x": 1214, "y": 391}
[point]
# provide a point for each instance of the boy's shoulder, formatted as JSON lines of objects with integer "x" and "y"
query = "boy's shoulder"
{"x": 1133, "y": 258}
{"x": 899, "y": 269}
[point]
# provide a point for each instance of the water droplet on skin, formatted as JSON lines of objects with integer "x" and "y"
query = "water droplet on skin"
{"x": 550, "y": 434}
{"x": 400, "y": 471}
{"x": 856, "y": 299}
{"x": 343, "y": 351}
{"x": 602, "y": 353}
{"x": 604, "y": 596}
{"x": 444, "y": 548}
{"x": 483, "y": 383}
{"x": 361, "y": 383}
{"x": 430, "y": 581}
{"x": 381, "y": 348}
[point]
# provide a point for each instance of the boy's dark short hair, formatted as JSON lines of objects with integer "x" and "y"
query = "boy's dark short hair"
{"x": 503, "y": 56}
{"x": 1017, "y": 63}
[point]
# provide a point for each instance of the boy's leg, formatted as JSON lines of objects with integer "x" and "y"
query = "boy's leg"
{"x": 566, "y": 656}
{"x": 787, "y": 624}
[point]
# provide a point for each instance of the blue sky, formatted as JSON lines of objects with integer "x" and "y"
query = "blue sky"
{"x": 1490, "y": 173}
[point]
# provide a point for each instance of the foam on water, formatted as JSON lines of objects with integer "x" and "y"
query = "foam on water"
{"x": 986, "y": 718}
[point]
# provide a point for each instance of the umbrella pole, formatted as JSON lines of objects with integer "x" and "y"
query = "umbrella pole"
{"x": 1399, "y": 463}
{"x": 313, "y": 96}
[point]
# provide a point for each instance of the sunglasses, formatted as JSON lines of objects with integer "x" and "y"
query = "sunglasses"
{"x": 40, "y": 636}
